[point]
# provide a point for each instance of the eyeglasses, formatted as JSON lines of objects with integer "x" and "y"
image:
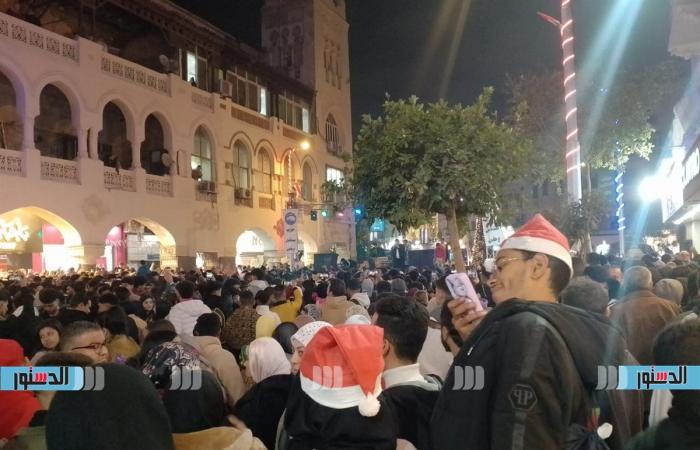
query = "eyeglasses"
{"x": 500, "y": 265}
{"x": 94, "y": 347}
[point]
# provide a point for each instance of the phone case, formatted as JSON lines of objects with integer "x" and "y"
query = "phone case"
{"x": 461, "y": 287}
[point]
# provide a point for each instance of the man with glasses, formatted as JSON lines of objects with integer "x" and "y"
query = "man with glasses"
{"x": 539, "y": 358}
{"x": 86, "y": 338}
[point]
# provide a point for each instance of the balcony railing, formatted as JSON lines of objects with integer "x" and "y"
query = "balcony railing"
{"x": 266, "y": 203}
{"x": 11, "y": 162}
{"x": 157, "y": 185}
{"x": 134, "y": 73}
{"x": 124, "y": 180}
{"x": 61, "y": 170}
{"x": 36, "y": 37}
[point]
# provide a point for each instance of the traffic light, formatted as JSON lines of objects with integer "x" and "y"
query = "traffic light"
{"x": 324, "y": 213}
{"x": 358, "y": 211}
{"x": 314, "y": 215}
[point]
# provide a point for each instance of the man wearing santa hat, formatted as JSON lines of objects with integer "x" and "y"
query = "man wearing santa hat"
{"x": 539, "y": 358}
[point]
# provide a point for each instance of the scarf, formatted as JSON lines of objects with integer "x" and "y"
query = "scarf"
{"x": 266, "y": 358}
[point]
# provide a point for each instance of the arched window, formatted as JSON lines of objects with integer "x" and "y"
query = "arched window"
{"x": 10, "y": 122}
{"x": 308, "y": 183}
{"x": 53, "y": 128}
{"x": 332, "y": 135}
{"x": 202, "y": 155}
{"x": 113, "y": 146}
{"x": 264, "y": 172}
{"x": 153, "y": 147}
{"x": 242, "y": 170}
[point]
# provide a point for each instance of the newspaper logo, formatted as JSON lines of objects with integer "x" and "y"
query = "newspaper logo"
{"x": 52, "y": 378}
{"x": 648, "y": 377}
{"x": 468, "y": 378}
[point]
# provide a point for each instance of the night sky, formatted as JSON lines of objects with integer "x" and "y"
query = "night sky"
{"x": 401, "y": 47}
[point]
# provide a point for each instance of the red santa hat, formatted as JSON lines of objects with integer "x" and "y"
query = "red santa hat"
{"x": 540, "y": 236}
{"x": 342, "y": 367}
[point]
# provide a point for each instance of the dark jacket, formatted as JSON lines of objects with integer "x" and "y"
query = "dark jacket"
{"x": 680, "y": 431}
{"x": 261, "y": 407}
{"x": 311, "y": 426}
{"x": 411, "y": 406}
{"x": 540, "y": 364}
{"x": 67, "y": 316}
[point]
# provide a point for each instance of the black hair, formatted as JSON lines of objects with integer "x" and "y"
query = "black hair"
{"x": 114, "y": 320}
{"x": 263, "y": 296}
{"x": 186, "y": 289}
{"x": 122, "y": 294}
{"x": 337, "y": 288}
{"x": 50, "y": 323}
{"x": 76, "y": 329}
{"x": 50, "y": 295}
{"x": 283, "y": 334}
{"x": 108, "y": 298}
{"x": 382, "y": 287}
{"x": 561, "y": 273}
{"x": 208, "y": 324}
{"x": 405, "y": 324}
{"x": 246, "y": 298}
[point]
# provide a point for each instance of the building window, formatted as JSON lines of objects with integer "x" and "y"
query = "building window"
{"x": 307, "y": 183}
{"x": 294, "y": 113}
{"x": 332, "y": 135}
{"x": 333, "y": 174}
{"x": 265, "y": 172}
{"x": 197, "y": 70}
{"x": 248, "y": 91}
{"x": 242, "y": 174}
{"x": 202, "y": 156}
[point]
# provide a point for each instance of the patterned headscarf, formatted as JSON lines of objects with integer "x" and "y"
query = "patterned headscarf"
{"x": 302, "y": 337}
{"x": 161, "y": 359}
{"x": 313, "y": 311}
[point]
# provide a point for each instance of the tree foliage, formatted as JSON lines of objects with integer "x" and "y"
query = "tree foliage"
{"x": 614, "y": 124}
{"x": 417, "y": 160}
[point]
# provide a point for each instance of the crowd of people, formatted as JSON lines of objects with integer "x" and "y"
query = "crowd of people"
{"x": 364, "y": 359}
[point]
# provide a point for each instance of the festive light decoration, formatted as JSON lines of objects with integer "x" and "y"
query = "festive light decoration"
{"x": 478, "y": 249}
{"x": 619, "y": 186}
{"x": 573, "y": 150}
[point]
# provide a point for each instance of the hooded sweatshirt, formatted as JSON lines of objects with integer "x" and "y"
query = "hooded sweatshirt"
{"x": 362, "y": 298}
{"x": 334, "y": 310}
{"x": 18, "y": 407}
{"x": 184, "y": 316}
{"x": 540, "y": 364}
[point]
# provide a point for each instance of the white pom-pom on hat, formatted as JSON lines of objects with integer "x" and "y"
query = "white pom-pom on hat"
{"x": 369, "y": 406}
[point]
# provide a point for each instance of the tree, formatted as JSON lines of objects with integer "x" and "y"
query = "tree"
{"x": 614, "y": 123}
{"x": 418, "y": 160}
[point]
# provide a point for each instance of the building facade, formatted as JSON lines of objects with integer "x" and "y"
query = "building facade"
{"x": 679, "y": 171}
{"x": 135, "y": 130}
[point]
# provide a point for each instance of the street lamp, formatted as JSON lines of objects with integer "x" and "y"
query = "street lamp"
{"x": 304, "y": 145}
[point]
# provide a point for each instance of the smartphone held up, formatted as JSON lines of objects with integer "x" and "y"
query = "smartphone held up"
{"x": 461, "y": 287}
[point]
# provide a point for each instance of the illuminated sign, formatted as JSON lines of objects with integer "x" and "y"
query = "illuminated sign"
{"x": 11, "y": 233}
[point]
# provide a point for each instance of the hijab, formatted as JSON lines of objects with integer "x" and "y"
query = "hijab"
{"x": 127, "y": 413}
{"x": 266, "y": 358}
{"x": 161, "y": 359}
{"x": 302, "y": 337}
{"x": 18, "y": 407}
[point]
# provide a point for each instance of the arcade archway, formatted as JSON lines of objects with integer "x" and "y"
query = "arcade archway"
{"x": 254, "y": 248}
{"x": 136, "y": 240}
{"x": 35, "y": 239}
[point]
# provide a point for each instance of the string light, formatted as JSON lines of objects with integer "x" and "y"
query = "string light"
{"x": 573, "y": 149}
{"x": 479, "y": 247}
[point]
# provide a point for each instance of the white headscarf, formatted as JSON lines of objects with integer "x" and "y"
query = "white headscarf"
{"x": 266, "y": 358}
{"x": 304, "y": 335}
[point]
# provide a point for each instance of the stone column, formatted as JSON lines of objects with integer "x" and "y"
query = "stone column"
{"x": 82, "y": 143}
{"x": 136, "y": 138}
